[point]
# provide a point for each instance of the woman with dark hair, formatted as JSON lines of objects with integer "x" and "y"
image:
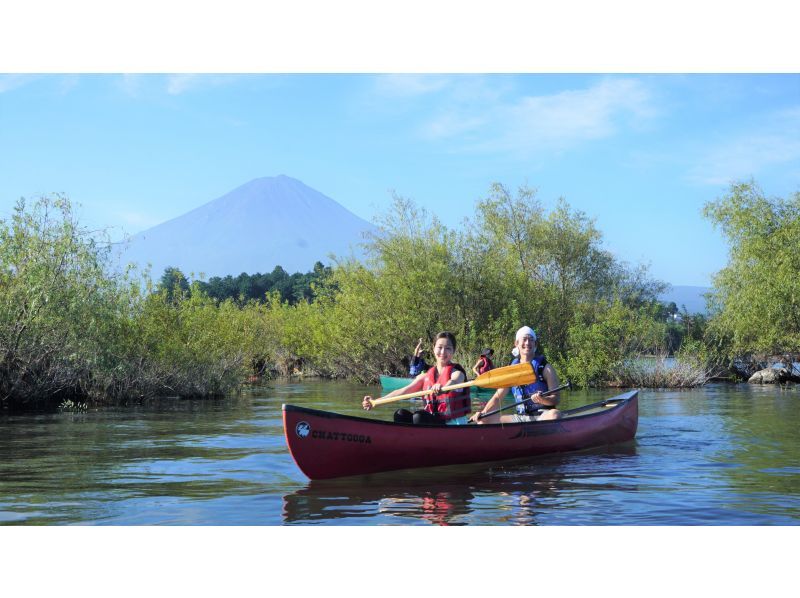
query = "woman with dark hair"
{"x": 448, "y": 408}
{"x": 417, "y": 364}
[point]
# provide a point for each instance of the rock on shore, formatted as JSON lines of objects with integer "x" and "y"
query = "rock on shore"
{"x": 773, "y": 376}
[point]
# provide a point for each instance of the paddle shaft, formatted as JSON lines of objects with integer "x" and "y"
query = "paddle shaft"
{"x": 544, "y": 394}
{"x": 421, "y": 393}
{"x": 511, "y": 375}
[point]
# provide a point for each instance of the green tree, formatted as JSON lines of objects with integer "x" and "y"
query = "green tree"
{"x": 173, "y": 283}
{"x": 755, "y": 301}
{"x": 551, "y": 266}
{"x": 405, "y": 291}
{"x": 58, "y": 307}
{"x": 597, "y": 349}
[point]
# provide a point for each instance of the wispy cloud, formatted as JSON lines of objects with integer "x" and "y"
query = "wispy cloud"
{"x": 138, "y": 220}
{"x": 178, "y": 84}
{"x": 410, "y": 85}
{"x": 183, "y": 83}
{"x": 68, "y": 83}
{"x": 452, "y": 124}
{"x": 774, "y": 141}
{"x": 9, "y": 82}
{"x": 131, "y": 84}
{"x": 501, "y": 121}
{"x": 144, "y": 85}
{"x": 574, "y": 116}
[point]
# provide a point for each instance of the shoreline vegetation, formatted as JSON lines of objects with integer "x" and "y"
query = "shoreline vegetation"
{"x": 75, "y": 331}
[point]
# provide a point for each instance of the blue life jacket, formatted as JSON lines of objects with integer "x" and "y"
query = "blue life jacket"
{"x": 524, "y": 392}
{"x": 417, "y": 366}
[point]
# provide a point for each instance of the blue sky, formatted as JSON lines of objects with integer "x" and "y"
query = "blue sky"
{"x": 639, "y": 153}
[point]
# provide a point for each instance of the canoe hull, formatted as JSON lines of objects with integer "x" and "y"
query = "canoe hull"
{"x": 329, "y": 445}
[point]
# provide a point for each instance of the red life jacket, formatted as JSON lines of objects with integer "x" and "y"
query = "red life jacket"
{"x": 487, "y": 365}
{"x": 448, "y": 405}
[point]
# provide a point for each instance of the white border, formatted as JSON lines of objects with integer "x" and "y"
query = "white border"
{"x": 412, "y": 36}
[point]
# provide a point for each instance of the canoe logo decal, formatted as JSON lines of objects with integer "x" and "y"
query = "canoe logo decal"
{"x": 302, "y": 429}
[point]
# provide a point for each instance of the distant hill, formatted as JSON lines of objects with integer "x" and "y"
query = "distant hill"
{"x": 268, "y": 222}
{"x": 691, "y": 297}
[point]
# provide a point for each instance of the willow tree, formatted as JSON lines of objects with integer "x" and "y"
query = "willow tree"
{"x": 553, "y": 266}
{"x": 57, "y": 304}
{"x": 755, "y": 299}
{"x": 403, "y": 291}
{"x": 515, "y": 263}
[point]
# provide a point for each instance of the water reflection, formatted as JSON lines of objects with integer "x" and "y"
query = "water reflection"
{"x": 521, "y": 492}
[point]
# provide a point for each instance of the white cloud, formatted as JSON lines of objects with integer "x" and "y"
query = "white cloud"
{"x": 574, "y": 116}
{"x": 532, "y": 124}
{"x": 774, "y": 141}
{"x": 177, "y": 84}
{"x": 141, "y": 85}
{"x": 131, "y": 84}
{"x": 182, "y": 83}
{"x": 451, "y": 124}
{"x": 68, "y": 83}
{"x": 9, "y": 82}
{"x": 410, "y": 85}
{"x": 138, "y": 220}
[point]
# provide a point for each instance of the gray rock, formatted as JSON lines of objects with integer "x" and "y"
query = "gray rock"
{"x": 770, "y": 376}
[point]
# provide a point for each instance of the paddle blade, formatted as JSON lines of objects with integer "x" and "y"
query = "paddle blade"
{"x": 510, "y": 375}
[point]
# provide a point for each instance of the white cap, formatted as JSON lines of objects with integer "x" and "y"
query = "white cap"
{"x": 525, "y": 331}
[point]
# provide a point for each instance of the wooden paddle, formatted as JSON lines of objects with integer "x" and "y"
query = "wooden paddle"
{"x": 510, "y": 375}
{"x": 544, "y": 394}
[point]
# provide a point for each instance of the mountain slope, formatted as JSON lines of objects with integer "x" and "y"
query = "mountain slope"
{"x": 267, "y": 222}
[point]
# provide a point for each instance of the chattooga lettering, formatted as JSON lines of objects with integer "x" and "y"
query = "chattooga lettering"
{"x": 323, "y": 435}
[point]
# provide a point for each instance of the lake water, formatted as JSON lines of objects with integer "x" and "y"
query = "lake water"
{"x": 719, "y": 455}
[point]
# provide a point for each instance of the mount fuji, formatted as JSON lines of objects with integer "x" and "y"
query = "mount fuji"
{"x": 268, "y": 222}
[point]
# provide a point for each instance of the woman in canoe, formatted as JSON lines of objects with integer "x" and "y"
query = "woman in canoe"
{"x": 417, "y": 365}
{"x": 449, "y": 408}
{"x": 531, "y": 405}
{"x": 484, "y": 363}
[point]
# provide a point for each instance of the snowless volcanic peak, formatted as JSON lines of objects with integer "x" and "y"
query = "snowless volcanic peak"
{"x": 267, "y": 222}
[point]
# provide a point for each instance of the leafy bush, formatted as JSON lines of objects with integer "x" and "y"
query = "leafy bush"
{"x": 598, "y": 349}
{"x": 70, "y": 330}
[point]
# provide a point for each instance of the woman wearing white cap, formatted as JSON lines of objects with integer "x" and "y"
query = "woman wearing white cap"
{"x": 531, "y": 405}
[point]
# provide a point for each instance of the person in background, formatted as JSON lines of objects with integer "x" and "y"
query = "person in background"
{"x": 531, "y": 405}
{"x": 448, "y": 408}
{"x": 418, "y": 364}
{"x": 484, "y": 363}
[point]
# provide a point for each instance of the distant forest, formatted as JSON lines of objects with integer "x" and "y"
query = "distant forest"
{"x": 245, "y": 287}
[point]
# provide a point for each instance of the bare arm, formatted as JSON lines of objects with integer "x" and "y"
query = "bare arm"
{"x": 457, "y": 377}
{"x": 551, "y": 378}
{"x": 491, "y": 405}
{"x": 475, "y": 367}
{"x": 413, "y": 386}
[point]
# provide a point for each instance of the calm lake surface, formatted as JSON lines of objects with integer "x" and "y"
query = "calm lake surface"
{"x": 720, "y": 455}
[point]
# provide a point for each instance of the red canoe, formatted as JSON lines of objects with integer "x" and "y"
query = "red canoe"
{"x": 330, "y": 445}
